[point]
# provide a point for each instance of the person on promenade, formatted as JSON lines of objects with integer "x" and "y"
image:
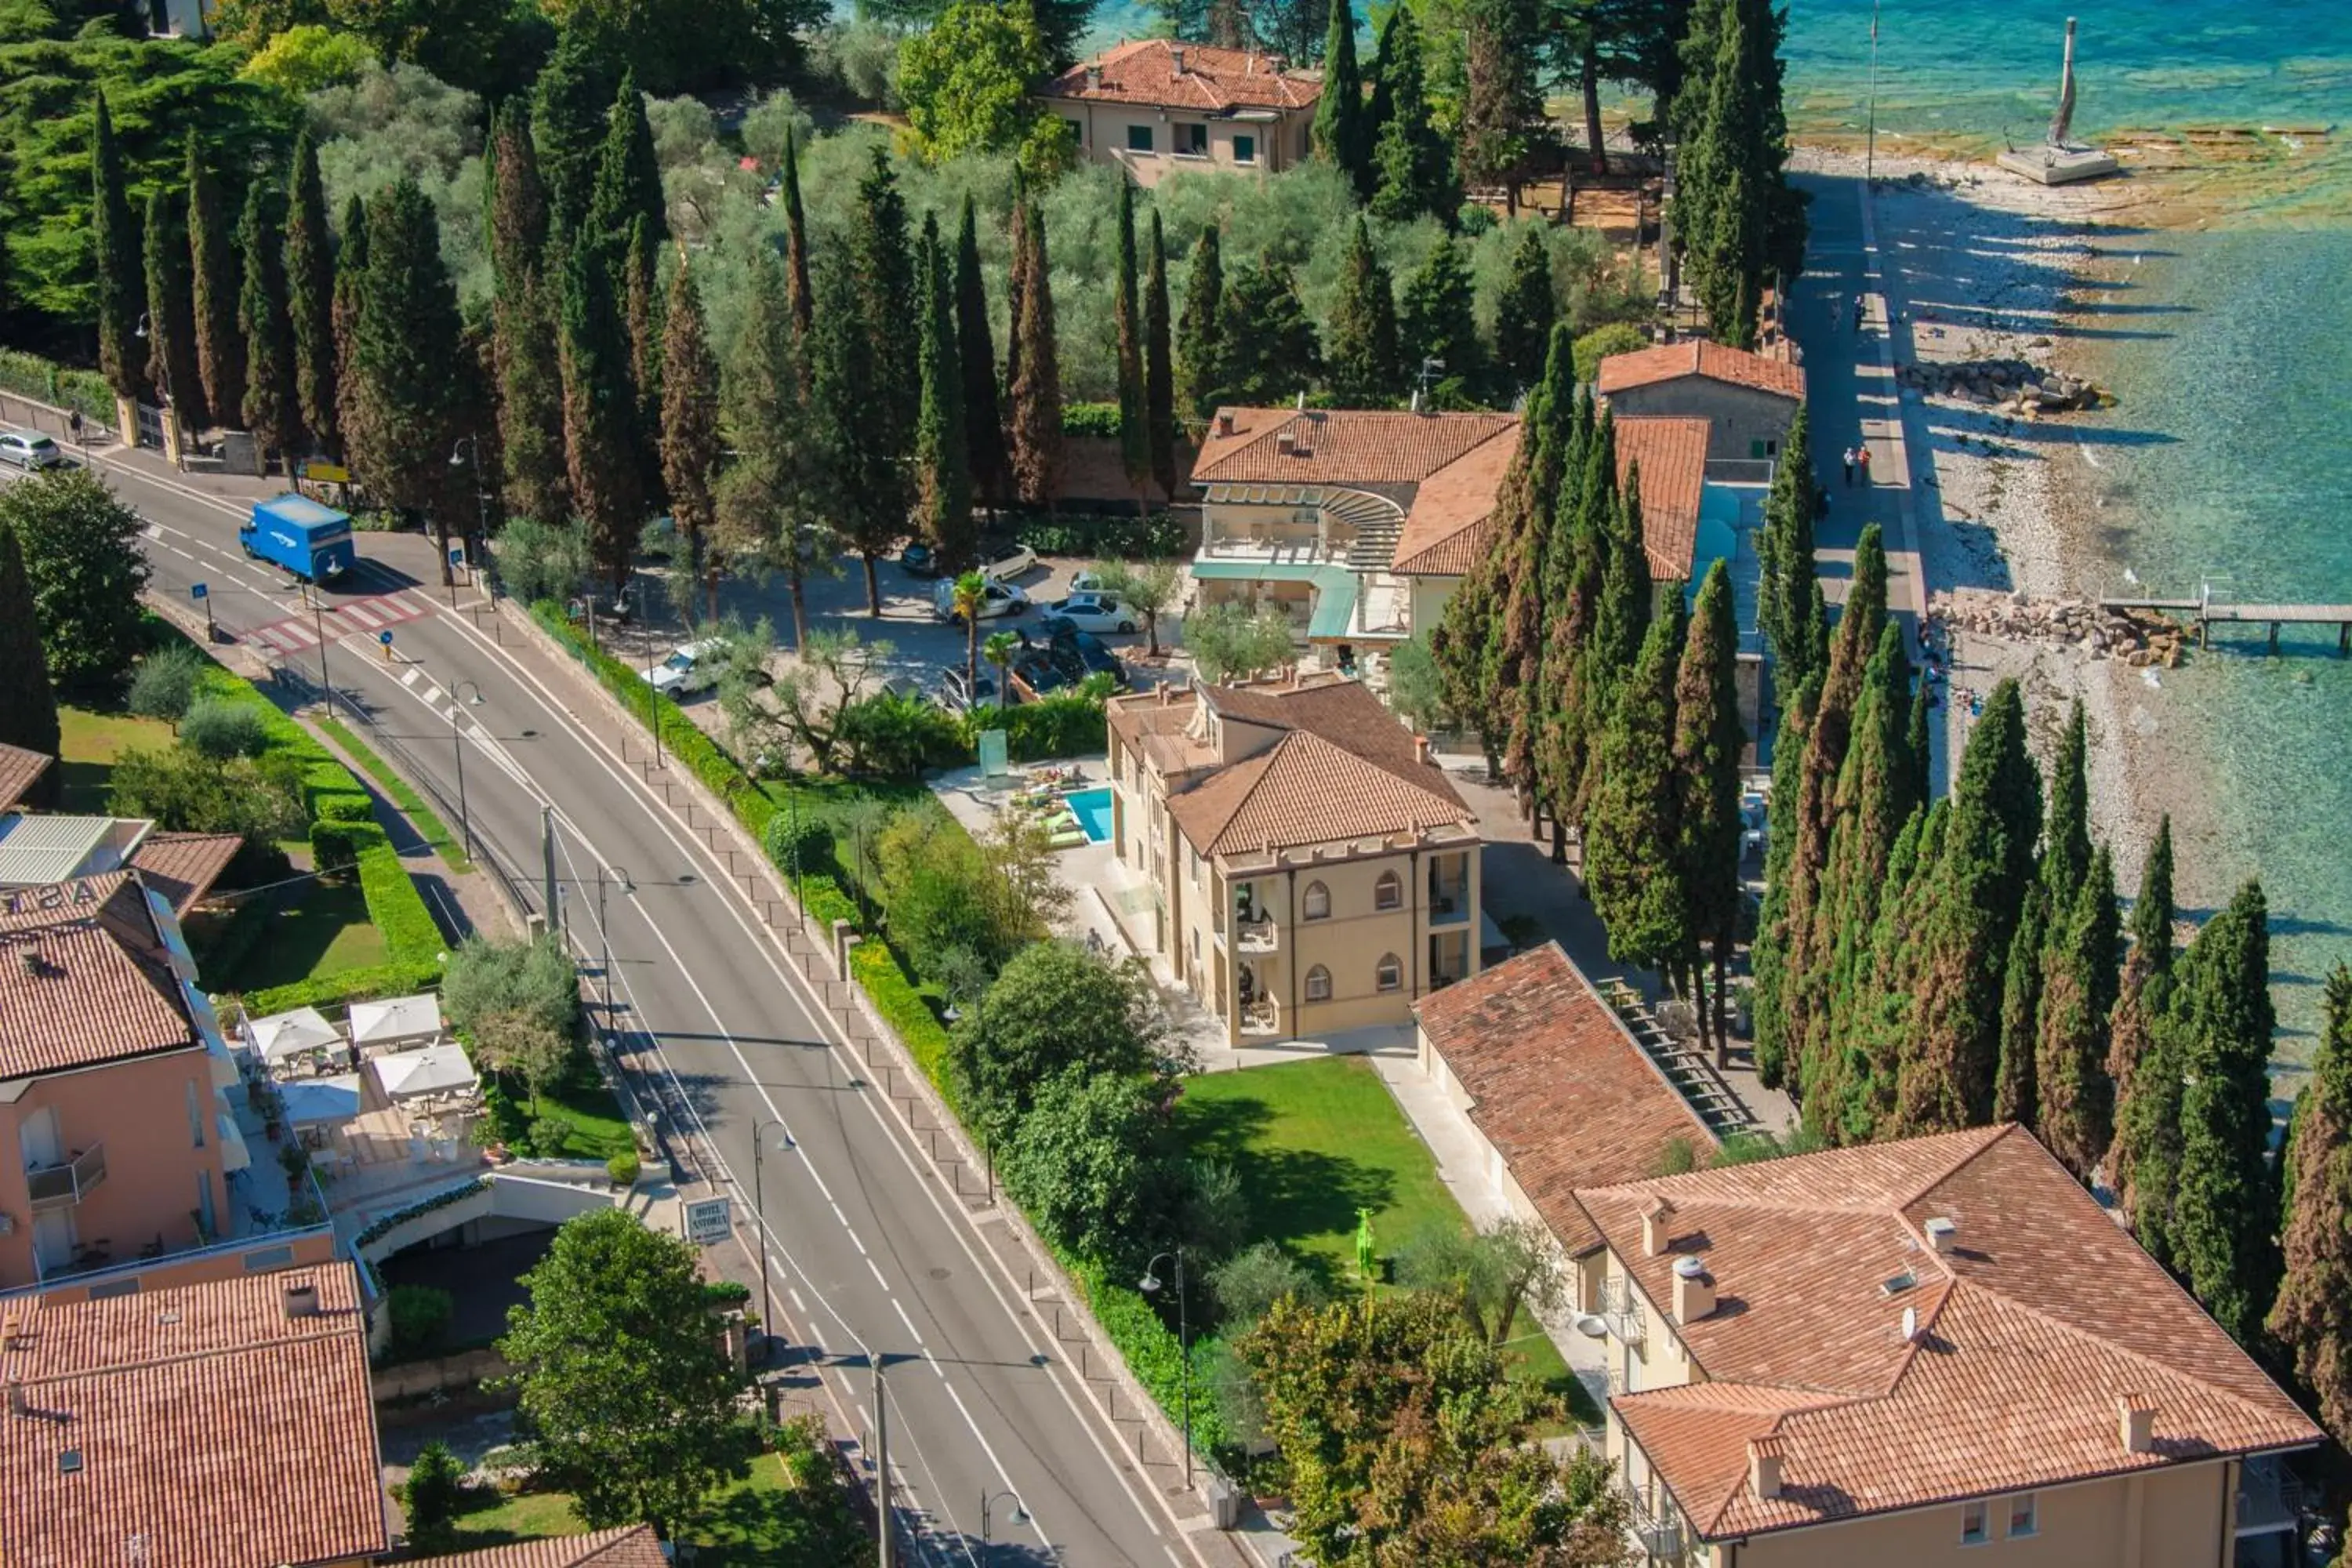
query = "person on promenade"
{"x": 1849, "y": 468}
{"x": 1861, "y": 461}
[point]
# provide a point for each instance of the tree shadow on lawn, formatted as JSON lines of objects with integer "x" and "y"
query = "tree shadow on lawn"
{"x": 1296, "y": 1196}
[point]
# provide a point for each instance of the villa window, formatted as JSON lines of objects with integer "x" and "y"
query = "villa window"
{"x": 1318, "y": 985}
{"x": 1317, "y": 903}
{"x": 1975, "y": 1529}
{"x": 1191, "y": 141}
{"x": 195, "y": 1116}
{"x": 2024, "y": 1519}
{"x": 1139, "y": 138}
{"x": 1390, "y": 975}
{"x": 1245, "y": 149}
{"x": 1388, "y": 893}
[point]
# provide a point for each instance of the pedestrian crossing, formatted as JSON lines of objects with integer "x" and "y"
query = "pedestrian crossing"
{"x": 351, "y": 618}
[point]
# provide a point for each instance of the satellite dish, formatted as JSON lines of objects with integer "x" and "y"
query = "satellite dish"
{"x": 1592, "y": 1326}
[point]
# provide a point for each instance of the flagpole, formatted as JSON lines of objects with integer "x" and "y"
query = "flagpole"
{"x": 1870, "y": 145}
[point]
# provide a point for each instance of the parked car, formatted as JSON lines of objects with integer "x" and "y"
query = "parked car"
{"x": 1043, "y": 673}
{"x": 1001, "y": 599}
{"x": 687, "y": 669}
{"x": 956, "y": 697}
{"x": 1007, "y": 560}
{"x": 1092, "y": 613}
{"x": 917, "y": 560}
{"x": 1086, "y": 654}
{"x": 1090, "y": 582}
{"x": 29, "y": 450}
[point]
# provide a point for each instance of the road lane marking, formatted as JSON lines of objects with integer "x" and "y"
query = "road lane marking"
{"x": 901, "y": 1310}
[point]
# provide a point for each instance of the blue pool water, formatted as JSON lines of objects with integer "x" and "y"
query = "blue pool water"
{"x": 1092, "y": 809}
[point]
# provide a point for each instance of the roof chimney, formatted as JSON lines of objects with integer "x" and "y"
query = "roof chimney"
{"x": 1942, "y": 1234}
{"x": 1421, "y": 750}
{"x": 16, "y": 1397}
{"x": 1764, "y": 1457}
{"x": 1094, "y": 78}
{"x": 1286, "y": 443}
{"x": 1176, "y": 57}
{"x": 1225, "y": 421}
{"x": 2136, "y": 1423}
{"x": 1694, "y": 1290}
{"x": 302, "y": 1299}
{"x": 1655, "y": 1216}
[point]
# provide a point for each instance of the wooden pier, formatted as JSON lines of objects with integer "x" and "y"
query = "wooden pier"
{"x": 2207, "y": 612}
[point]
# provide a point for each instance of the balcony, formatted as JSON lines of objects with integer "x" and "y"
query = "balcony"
{"x": 64, "y": 1185}
{"x": 2269, "y": 1498}
{"x": 1449, "y": 901}
{"x": 1623, "y": 1310}
{"x": 1260, "y": 935}
{"x": 1260, "y": 1020}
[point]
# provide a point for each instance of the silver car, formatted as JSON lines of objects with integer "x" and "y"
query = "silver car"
{"x": 30, "y": 449}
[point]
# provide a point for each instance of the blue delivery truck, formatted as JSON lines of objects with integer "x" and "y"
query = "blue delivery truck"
{"x": 312, "y": 541}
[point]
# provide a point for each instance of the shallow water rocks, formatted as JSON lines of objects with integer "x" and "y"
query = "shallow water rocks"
{"x": 2137, "y": 637}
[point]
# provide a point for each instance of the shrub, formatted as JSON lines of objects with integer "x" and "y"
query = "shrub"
{"x": 905, "y": 1009}
{"x": 432, "y": 1496}
{"x": 549, "y": 1134}
{"x": 1152, "y": 1351}
{"x": 535, "y": 978}
{"x": 1616, "y": 338}
{"x": 621, "y": 1169}
{"x": 221, "y": 730}
{"x": 335, "y": 846}
{"x": 183, "y": 791}
{"x": 895, "y": 736}
{"x": 724, "y": 1293}
{"x": 800, "y": 840}
{"x": 1113, "y": 535}
{"x": 166, "y": 682}
{"x": 420, "y": 1317}
{"x": 342, "y": 808}
{"x": 1090, "y": 420}
{"x": 1057, "y": 727}
{"x": 1248, "y": 1284}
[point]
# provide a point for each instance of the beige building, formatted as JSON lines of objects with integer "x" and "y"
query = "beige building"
{"x": 228, "y": 1425}
{"x": 1934, "y": 1351}
{"x": 1155, "y": 108}
{"x": 1310, "y": 869}
{"x": 1747, "y": 399}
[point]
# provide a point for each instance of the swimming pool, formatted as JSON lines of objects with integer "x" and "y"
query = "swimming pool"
{"x": 1092, "y": 809}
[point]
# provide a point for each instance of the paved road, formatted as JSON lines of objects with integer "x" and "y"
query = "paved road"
{"x": 869, "y": 1259}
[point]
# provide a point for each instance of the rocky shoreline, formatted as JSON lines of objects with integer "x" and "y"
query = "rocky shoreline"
{"x": 2141, "y": 639}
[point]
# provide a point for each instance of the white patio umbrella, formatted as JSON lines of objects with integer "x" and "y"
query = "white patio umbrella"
{"x": 283, "y": 1035}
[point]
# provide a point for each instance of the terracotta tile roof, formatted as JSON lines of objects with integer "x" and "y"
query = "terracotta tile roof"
{"x": 1339, "y": 766}
{"x": 1214, "y": 80}
{"x": 182, "y": 866}
{"x": 1717, "y": 362}
{"x": 1671, "y": 451}
{"x": 631, "y": 1546}
{"x": 1442, "y": 533}
{"x": 1338, "y": 446}
{"x": 104, "y": 987}
{"x": 19, "y": 771}
{"x": 2043, "y": 1316}
{"x": 201, "y": 1421}
{"x": 1557, "y": 1085}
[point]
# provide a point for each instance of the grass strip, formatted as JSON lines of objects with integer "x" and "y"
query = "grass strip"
{"x": 412, "y": 804}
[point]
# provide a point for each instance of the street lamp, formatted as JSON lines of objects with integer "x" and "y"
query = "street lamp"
{"x": 468, "y": 453}
{"x": 1150, "y": 1285}
{"x": 760, "y": 1209}
{"x": 163, "y": 371}
{"x": 606, "y": 875}
{"x": 1020, "y": 1516}
{"x": 458, "y": 747}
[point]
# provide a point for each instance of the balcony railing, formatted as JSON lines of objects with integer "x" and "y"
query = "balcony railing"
{"x": 1257, "y": 936}
{"x": 64, "y": 1185}
{"x": 1260, "y": 1018}
{"x": 1623, "y": 1310}
{"x": 1449, "y": 902}
{"x": 2269, "y": 1498}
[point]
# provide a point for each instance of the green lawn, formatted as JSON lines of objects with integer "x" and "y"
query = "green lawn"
{"x": 89, "y": 742}
{"x": 762, "y": 1520}
{"x": 599, "y": 1130}
{"x": 429, "y": 827}
{"x": 1314, "y": 1141}
{"x": 297, "y": 932}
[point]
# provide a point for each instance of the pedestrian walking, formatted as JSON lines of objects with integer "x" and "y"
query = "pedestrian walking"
{"x": 73, "y": 424}
{"x": 1857, "y": 312}
{"x": 1849, "y": 468}
{"x": 1861, "y": 461}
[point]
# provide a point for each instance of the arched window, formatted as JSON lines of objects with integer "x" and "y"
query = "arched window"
{"x": 1316, "y": 904}
{"x": 1318, "y": 985}
{"x": 1388, "y": 893}
{"x": 1390, "y": 976}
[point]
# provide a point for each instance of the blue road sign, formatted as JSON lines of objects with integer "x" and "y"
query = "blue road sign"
{"x": 198, "y": 591}
{"x": 384, "y": 637}
{"x": 457, "y": 555}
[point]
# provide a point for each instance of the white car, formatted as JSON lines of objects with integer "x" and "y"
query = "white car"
{"x": 1007, "y": 560}
{"x": 689, "y": 669}
{"x": 1095, "y": 613}
{"x": 29, "y": 450}
{"x": 1090, "y": 580}
{"x": 1001, "y": 599}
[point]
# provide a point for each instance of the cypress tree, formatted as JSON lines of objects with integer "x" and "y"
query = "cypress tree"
{"x": 944, "y": 499}
{"x": 2066, "y": 841}
{"x": 1723, "y": 192}
{"x": 172, "y": 314}
{"x": 1525, "y": 509}
{"x": 1363, "y": 352}
{"x": 1272, "y": 353}
{"x": 1790, "y": 586}
{"x": 114, "y": 244}
{"x": 406, "y": 353}
{"x": 2151, "y": 916}
{"x": 627, "y": 185}
{"x": 1768, "y": 958}
{"x": 2225, "y": 1208}
{"x": 798, "y": 294}
{"x": 882, "y": 268}
{"x": 2014, "y": 1097}
{"x": 1340, "y": 139}
{"x": 1621, "y": 616}
{"x": 515, "y": 198}
{"x": 1016, "y": 238}
{"x": 1439, "y": 321}
{"x": 1523, "y": 315}
{"x": 1979, "y": 894}
{"x": 1412, "y": 169}
{"x": 2145, "y": 1060}
{"x": 1036, "y": 422}
{"x": 2312, "y": 1318}
{"x": 1126, "y": 314}
{"x": 1634, "y": 832}
{"x": 1458, "y": 645}
{"x": 569, "y": 117}
{"x": 641, "y": 312}
{"x": 527, "y": 350}
{"x": 1914, "y": 738}
{"x": 2077, "y": 1115}
{"x": 29, "y": 703}
{"x": 272, "y": 406}
{"x": 352, "y": 411}
{"x": 1200, "y": 331}
{"x": 868, "y": 479}
{"x": 1706, "y": 746}
{"x": 310, "y": 294}
{"x": 220, "y": 349}
{"x": 599, "y": 411}
{"x": 1159, "y": 379}
{"x": 1501, "y": 46}
{"x": 775, "y": 498}
{"x": 1573, "y": 581}
{"x": 689, "y": 430}
{"x": 983, "y": 420}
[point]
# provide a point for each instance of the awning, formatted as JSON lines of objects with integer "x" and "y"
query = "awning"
{"x": 402, "y": 1021}
{"x": 235, "y": 1155}
{"x": 435, "y": 1069}
{"x": 283, "y": 1035}
{"x": 313, "y": 1100}
{"x": 1335, "y": 606}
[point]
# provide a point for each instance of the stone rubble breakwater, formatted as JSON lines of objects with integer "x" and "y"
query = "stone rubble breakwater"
{"x": 2140, "y": 638}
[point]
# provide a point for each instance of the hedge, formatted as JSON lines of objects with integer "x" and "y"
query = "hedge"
{"x": 346, "y": 808}
{"x": 394, "y": 979}
{"x": 906, "y": 1010}
{"x": 1056, "y": 727}
{"x": 1153, "y": 1350}
{"x": 335, "y": 846}
{"x": 441, "y": 1200}
{"x": 30, "y": 375}
{"x": 324, "y": 779}
{"x": 393, "y": 906}
{"x": 1120, "y": 534}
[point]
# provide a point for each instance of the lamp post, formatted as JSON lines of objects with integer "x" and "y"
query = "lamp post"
{"x": 759, "y": 1210}
{"x": 1148, "y": 1285}
{"x": 457, "y": 749}
{"x": 163, "y": 377}
{"x": 652, "y": 702}
{"x": 467, "y": 454}
{"x": 605, "y": 876}
{"x": 1020, "y": 1516}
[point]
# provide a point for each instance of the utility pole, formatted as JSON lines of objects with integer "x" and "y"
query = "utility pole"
{"x": 885, "y": 1554}
{"x": 547, "y": 854}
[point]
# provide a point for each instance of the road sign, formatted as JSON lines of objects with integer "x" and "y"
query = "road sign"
{"x": 708, "y": 1221}
{"x": 198, "y": 591}
{"x": 331, "y": 473}
{"x": 384, "y": 637}
{"x": 457, "y": 556}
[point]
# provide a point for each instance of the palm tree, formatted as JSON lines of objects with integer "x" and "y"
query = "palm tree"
{"x": 969, "y": 596}
{"x": 1000, "y": 648}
